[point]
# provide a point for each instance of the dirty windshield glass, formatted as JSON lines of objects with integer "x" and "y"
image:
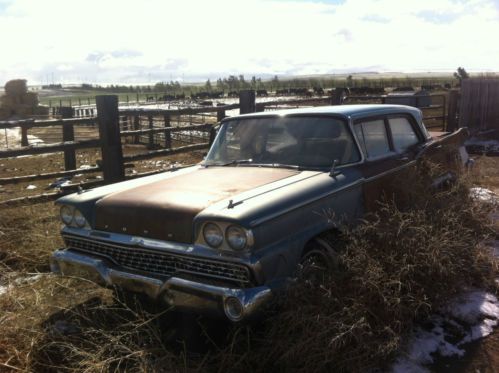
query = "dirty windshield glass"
{"x": 308, "y": 142}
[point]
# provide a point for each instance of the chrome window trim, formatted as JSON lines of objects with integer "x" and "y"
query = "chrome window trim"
{"x": 348, "y": 120}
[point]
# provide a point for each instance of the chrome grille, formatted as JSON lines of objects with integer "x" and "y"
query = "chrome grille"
{"x": 160, "y": 263}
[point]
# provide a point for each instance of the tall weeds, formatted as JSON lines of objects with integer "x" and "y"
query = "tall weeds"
{"x": 407, "y": 258}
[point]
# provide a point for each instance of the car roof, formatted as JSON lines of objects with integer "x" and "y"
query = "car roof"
{"x": 347, "y": 111}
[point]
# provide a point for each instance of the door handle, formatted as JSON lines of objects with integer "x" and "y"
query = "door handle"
{"x": 403, "y": 159}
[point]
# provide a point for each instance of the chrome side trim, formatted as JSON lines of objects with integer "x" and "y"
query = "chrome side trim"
{"x": 390, "y": 171}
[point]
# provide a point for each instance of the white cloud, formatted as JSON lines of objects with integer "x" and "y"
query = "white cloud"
{"x": 125, "y": 41}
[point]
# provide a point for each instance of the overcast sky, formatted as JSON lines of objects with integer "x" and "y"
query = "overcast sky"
{"x": 108, "y": 41}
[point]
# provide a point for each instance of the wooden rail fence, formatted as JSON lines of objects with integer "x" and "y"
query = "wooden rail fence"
{"x": 160, "y": 128}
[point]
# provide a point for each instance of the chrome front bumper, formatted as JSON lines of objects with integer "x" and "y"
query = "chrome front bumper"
{"x": 235, "y": 303}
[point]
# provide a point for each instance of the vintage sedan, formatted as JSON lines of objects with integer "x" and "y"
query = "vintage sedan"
{"x": 224, "y": 236}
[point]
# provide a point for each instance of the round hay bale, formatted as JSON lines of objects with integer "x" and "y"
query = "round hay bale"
{"x": 16, "y": 87}
{"x": 9, "y": 102}
{"x": 23, "y": 110}
{"x": 30, "y": 98}
{"x": 4, "y": 113}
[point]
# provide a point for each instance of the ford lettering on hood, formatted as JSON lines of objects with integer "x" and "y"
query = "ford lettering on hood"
{"x": 165, "y": 209}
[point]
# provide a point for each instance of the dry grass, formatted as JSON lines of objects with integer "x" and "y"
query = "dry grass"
{"x": 487, "y": 172}
{"x": 28, "y": 235}
{"x": 396, "y": 269}
{"x": 55, "y": 162}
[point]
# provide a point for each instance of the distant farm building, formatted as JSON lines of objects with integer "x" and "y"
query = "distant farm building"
{"x": 417, "y": 99}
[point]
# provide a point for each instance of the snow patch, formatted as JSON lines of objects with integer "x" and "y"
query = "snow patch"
{"x": 25, "y": 280}
{"x": 471, "y": 316}
{"x": 474, "y": 307}
{"x": 3, "y": 289}
{"x": 484, "y": 195}
{"x": 11, "y": 138}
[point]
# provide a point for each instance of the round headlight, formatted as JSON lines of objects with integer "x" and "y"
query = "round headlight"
{"x": 236, "y": 237}
{"x": 213, "y": 235}
{"x": 67, "y": 213}
{"x": 79, "y": 219}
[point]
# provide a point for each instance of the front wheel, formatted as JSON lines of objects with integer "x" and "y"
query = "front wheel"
{"x": 318, "y": 262}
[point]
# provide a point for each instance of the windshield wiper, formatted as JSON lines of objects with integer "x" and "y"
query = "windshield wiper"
{"x": 279, "y": 165}
{"x": 237, "y": 161}
{"x": 250, "y": 162}
{"x": 233, "y": 162}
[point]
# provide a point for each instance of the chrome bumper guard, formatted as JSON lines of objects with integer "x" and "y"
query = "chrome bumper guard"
{"x": 236, "y": 303}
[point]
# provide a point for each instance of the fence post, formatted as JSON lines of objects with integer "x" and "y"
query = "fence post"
{"x": 247, "y": 103}
{"x": 220, "y": 115}
{"x": 151, "y": 134}
{"x": 136, "y": 127}
{"x": 68, "y": 134}
{"x": 336, "y": 98}
{"x": 24, "y": 135}
{"x": 452, "y": 111}
{"x": 109, "y": 132}
{"x": 168, "y": 134}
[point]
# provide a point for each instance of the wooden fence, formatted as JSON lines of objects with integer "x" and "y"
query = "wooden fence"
{"x": 158, "y": 129}
{"x": 479, "y": 106}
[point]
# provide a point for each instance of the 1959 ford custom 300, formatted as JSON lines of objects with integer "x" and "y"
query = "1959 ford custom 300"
{"x": 224, "y": 236}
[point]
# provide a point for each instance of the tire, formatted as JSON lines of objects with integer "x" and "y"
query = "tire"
{"x": 318, "y": 262}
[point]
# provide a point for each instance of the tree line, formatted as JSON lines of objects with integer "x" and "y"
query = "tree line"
{"x": 236, "y": 83}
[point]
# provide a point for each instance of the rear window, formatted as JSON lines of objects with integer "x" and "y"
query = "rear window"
{"x": 403, "y": 133}
{"x": 373, "y": 138}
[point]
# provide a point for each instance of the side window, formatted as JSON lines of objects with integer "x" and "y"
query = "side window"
{"x": 402, "y": 133}
{"x": 373, "y": 138}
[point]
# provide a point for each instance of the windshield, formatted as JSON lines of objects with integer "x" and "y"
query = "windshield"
{"x": 306, "y": 142}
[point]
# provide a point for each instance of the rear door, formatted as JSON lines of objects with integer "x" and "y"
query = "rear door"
{"x": 390, "y": 144}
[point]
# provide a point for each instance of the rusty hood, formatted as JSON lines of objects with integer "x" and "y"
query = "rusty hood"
{"x": 166, "y": 209}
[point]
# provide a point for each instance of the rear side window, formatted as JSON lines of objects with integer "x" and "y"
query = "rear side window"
{"x": 373, "y": 138}
{"x": 403, "y": 133}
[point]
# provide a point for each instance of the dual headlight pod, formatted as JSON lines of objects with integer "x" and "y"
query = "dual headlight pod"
{"x": 72, "y": 217}
{"x": 236, "y": 237}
